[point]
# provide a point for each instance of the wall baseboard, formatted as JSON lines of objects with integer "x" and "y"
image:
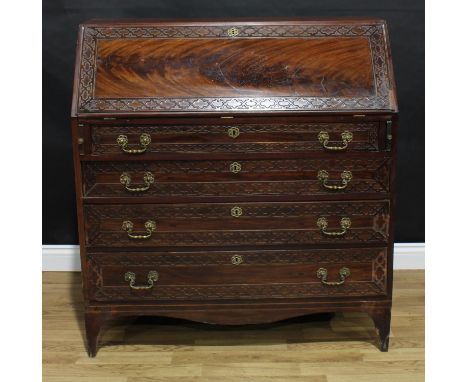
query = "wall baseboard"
{"x": 67, "y": 257}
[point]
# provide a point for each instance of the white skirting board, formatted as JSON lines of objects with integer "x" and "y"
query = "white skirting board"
{"x": 67, "y": 257}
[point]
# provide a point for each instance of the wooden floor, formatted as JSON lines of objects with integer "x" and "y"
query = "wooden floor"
{"x": 339, "y": 350}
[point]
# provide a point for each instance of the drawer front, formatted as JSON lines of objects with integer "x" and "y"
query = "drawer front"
{"x": 237, "y": 275}
{"x": 336, "y": 176}
{"x": 241, "y": 138}
{"x": 226, "y": 224}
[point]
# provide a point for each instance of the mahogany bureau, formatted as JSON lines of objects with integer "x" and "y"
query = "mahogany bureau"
{"x": 235, "y": 172}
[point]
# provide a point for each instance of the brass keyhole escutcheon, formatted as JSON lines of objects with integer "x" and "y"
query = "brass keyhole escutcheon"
{"x": 233, "y": 32}
{"x": 237, "y": 259}
{"x": 235, "y": 167}
{"x": 236, "y": 212}
{"x": 233, "y": 132}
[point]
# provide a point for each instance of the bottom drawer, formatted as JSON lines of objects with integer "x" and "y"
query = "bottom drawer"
{"x": 237, "y": 275}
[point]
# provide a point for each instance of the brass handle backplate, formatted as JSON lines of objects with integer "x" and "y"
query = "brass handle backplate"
{"x": 346, "y": 177}
{"x": 145, "y": 140}
{"x": 153, "y": 276}
{"x": 345, "y": 224}
{"x": 322, "y": 274}
{"x": 324, "y": 139}
{"x": 236, "y": 212}
{"x": 235, "y": 167}
{"x": 126, "y": 180}
{"x": 233, "y": 132}
{"x": 237, "y": 259}
{"x": 150, "y": 226}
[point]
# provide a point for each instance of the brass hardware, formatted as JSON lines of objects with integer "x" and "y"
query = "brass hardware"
{"x": 324, "y": 138}
{"x": 80, "y": 141}
{"x": 233, "y": 32}
{"x": 358, "y": 115}
{"x": 235, "y": 167}
{"x": 236, "y": 212}
{"x": 226, "y": 117}
{"x": 345, "y": 224}
{"x": 153, "y": 276}
{"x": 108, "y": 118}
{"x": 346, "y": 177}
{"x": 150, "y": 226}
{"x": 233, "y": 132}
{"x": 126, "y": 179}
{"x": 145, "y": 140}
{"x": 237, "y": 259}
{"x": 389, "y": 135}
{"x": 322, "y": 274}
{"x": 80, "y": 124}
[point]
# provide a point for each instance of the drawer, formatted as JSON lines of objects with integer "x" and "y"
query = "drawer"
{"x": 235, "y": 138}
{"x": 236, "y": 275}
{"x": 292, "y": 177}
{"x": 228, "y": 224}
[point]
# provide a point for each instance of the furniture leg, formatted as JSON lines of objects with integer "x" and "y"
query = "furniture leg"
{"x": 381, "y": 318}
{"x": 93, "y": 323}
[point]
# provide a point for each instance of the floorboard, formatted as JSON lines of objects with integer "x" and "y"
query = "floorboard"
{"x": 298, "y": 350}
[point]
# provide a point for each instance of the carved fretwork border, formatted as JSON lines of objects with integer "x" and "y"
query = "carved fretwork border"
{"x": 375, "y": 34}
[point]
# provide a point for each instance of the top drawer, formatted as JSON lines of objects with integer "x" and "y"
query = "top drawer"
{"x": 137, "y": 140}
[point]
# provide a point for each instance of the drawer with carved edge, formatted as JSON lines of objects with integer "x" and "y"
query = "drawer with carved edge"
{"x": 140, "y": 139}
{"x": 224, "y": 275}
{"x": 217, "y": 178}
{"x": 234, "y": 224}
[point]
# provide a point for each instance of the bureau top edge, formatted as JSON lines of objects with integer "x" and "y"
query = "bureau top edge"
{"x": 234, "y": 118}
{"x": 243, "y": 67}
{"x": 235, "y": 21}
{"x": 358, "y": 114}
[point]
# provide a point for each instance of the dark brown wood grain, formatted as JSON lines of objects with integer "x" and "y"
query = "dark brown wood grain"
{"x": 213, "y": 224}
{"x": 279, "y": 83}
{"x": 193, "y": 178}
{"x": 175, "y": 67}
{"x": 252, "y": 138}
{"x": 260, "y": 274}
{"x": 322, "y": 67}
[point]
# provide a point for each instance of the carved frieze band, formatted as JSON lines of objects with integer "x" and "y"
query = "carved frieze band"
{"x": 375, "y": 34}
{"x": 208, "y": 258}
{"x": 265, "y": 188}
{"x": 220, "y": 166}
{"x": 297, "y": 128}
{"x": 224, "y": 292}
{"x": 232, "y": 238}
{"x": 97, "y": 213}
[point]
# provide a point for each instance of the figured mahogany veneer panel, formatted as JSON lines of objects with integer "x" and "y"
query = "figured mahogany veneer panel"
{"x": 252, "y": 138}
{"x": 261, "y": 275}
{"x": 258, "y": 177}
{"x": 213, "y": 224}
{"x": 177, "y": 67}
{"x": 326, "y": 67}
